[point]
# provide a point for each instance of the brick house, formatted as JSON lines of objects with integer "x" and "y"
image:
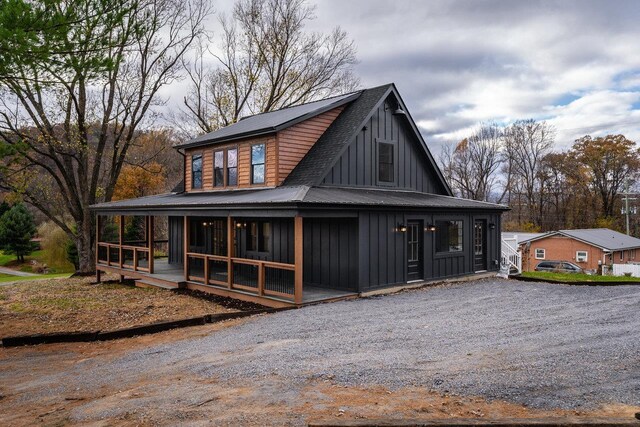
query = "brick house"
{"x": 587, "y": 248}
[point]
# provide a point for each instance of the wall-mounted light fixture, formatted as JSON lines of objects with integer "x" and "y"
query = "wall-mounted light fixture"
{"x": 401, "y": 228}
{"x": 492, "y": 226}
{"x": 241, "y": 225}
{"x": 431, "y": 227}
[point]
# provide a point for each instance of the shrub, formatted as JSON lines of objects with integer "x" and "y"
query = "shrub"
{"x": 54, "y": 246}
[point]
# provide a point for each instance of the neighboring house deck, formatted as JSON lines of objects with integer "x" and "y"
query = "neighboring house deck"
{"x": 321, "y": 201}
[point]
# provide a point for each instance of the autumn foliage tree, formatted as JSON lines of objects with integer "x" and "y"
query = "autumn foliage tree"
{"x": 610, "y": 161}
{"x": 138, "y": 181}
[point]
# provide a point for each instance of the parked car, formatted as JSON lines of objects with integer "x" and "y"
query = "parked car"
{"x": 559, "y": 267}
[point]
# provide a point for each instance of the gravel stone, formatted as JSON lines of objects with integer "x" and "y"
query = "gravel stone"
{"x": 542, "y": 345}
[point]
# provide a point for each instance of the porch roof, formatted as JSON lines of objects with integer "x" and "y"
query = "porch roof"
{"x": 295, "y": 196}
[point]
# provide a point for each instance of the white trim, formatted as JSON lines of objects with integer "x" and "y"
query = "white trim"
{"x": 582, "y": 258}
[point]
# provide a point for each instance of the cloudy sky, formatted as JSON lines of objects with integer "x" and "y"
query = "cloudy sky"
{"x": 575, "y": 64}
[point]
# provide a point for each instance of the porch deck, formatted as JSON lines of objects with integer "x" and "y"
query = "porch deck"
{"x": 172, "y": 276}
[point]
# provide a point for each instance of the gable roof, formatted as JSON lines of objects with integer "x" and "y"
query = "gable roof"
{"x": 603, "y": 238}
{"x": 332, "y": 144}
{"x": 270, "y": 122}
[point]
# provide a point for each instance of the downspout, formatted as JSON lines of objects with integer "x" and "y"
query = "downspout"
{"x": 184, "y": 169}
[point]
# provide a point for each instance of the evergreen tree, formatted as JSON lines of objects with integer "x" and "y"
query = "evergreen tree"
{"x": 16, "y": 231}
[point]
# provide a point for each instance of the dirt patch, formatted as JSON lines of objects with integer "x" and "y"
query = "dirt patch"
{"x": 226, "y": 302}
{"x": 75, "y": 304}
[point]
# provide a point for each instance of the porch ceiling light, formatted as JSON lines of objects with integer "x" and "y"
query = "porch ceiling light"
{"x": 492, "y": 226}
{"x": 431, "y": 227}
{"x": 401, "y": 228}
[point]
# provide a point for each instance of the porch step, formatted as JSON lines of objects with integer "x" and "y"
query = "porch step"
{"x": 158, "y": 283}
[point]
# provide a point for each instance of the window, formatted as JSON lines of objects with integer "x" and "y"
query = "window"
{"x": 621, "y": 255}
{"x": 257, "y": 164}
{"x": 385, "y": 162}
{"x": 225, "y": 167}
{"x": 258, "y": 236}
{"x": 232, "y": 166}
{"x": 581, "y": 256}
{"x": 448, "y": 236}
{"x": 196, "y": 171}
{"x": 218, "y": 169}
{"x": 540, "y": 253}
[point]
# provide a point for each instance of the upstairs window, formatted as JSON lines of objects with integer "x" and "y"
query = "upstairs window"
{"x": 448, "y": 236}
{"x": 257, "y": 163}
{"x": 232, "y": 166}
{"x": 196, "y": 171}
{"x": 386, "y": 163}
{"x": 218, "y": 169}
{"x": 225, "y": 167}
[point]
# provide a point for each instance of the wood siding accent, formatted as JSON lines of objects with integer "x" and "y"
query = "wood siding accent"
{"x": 358, "y": 164}
{"x": 295, "y": 142}
{"x": 244, "y": 164}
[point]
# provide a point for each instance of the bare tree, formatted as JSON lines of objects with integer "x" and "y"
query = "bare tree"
{"x": 527, "y": 142}
{"x": 471, "y": 167}
{"x": 266, "y": 61}
{"x": 73, "y": 102}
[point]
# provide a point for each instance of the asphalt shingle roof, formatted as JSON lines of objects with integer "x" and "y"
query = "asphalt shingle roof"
{"x": 298, "y": 195}
{"x": 604, "y": 238}
{"x": 270, "y": 122}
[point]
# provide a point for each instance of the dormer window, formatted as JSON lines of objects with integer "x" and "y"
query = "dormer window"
{"x": 196, "y": 171}
{"x": 257, "y": 163}
{"x": 386, "y": 166}
{"x": 225, "y": 167}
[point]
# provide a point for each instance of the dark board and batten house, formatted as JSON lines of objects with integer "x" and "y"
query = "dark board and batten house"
{"x": 321, "y": 201}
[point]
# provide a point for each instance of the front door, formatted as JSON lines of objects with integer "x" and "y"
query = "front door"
{"x": 479, "y": 245}
{"x": 414, "y": 250}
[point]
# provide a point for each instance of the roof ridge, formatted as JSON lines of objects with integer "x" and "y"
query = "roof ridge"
{"x": 300, "y": 105}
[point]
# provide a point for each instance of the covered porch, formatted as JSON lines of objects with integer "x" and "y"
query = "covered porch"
{"x": 253, "y": 259}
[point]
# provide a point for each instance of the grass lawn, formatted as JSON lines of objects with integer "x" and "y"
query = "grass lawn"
{"x": 11, "y": 278}
{"x": 74, "y": 304}
{"x": 10, "y": 261}
{"x": 575, "y": 277}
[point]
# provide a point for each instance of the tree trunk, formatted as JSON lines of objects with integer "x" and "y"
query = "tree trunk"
{"x": 85, "y": 242}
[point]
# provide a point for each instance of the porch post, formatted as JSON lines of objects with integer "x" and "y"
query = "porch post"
{"x": 120, "y": 237}
{"x": 230, "y": 249}
{"x": 185, "y": 247}
{"x": 151, "y": 236}
{"x": 298, "y": 249}
{"x": 98, "y": 247}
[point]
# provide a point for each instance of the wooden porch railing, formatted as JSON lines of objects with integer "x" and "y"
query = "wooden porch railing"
{"x": 136, "y": 251}
{"x": 263, "y": 278}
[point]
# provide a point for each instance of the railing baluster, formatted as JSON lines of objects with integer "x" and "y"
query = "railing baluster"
{"x": 261, "y": 279}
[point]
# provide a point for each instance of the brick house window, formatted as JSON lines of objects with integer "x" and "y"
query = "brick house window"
{"x": 621, "y": 255}
{"x": 540, "y": 254}
{"x": 581, "y": 256}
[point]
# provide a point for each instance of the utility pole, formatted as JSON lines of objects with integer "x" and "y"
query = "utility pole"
{"x": 626, "y": 203}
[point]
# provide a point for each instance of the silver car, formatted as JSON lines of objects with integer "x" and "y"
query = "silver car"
{"x": 559, "y": 267}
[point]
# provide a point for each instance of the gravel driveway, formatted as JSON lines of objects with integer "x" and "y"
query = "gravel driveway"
{"x": 541, "y": 345}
